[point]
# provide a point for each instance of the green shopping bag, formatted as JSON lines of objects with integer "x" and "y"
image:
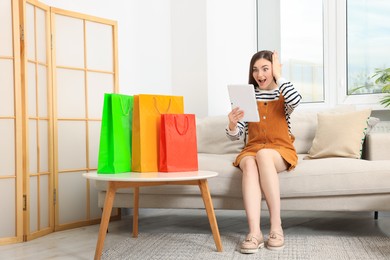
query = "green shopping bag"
{"x": 115, "y": 134}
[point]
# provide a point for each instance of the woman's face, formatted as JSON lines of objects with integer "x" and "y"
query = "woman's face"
{"x": 262, "y": 73}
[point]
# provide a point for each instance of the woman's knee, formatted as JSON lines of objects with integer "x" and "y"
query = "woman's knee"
{"x": 271, "y": 157}
{"x": 248, "y": 164}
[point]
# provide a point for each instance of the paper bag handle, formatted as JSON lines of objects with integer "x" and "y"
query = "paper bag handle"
{"x": 185, "y": 128}
{"x": 123, "y": 108}
{"x": 169, "y": 105}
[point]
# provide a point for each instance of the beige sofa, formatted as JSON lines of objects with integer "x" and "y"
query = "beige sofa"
{"x": 331, "y": 184}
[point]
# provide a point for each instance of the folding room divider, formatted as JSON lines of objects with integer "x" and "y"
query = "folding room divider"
{"x": 55, "y": 66}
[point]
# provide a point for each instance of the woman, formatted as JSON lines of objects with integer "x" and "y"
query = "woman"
{"x": 269, "y": 148}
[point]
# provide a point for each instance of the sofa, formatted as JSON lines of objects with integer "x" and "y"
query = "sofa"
{"x": 325, "y": 184}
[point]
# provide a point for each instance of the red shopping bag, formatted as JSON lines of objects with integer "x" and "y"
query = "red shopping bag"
{"x": 178, "y": 149}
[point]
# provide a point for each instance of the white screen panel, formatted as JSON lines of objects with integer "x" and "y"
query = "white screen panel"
{"x": 95, "y": 211}
{"x": 41, "y": 35}
{"x": 6, "y": 28}
{"x": 70, "y": 94}
{"x": 71, "y": 145}
{"x": 72, "y": 196}
{"x": 7, "y": 148}
{"x": 6, "y": 88}
{"x": 99, "y": 46}
{"x": 33, "y": 200}
{"x": 94, "y": 140}
{"x": 42, "y": 91}
{"x": 98, "y": 84}
{"x": 69, "y": 41}
{"x": 43, "y": 146}
{"x": 29, "y": 34}
{"x": 31, "y": 89}
{"x": 32, "y": 146}
{"x": 7, "y": 204}
{"x": 44, "y": 200}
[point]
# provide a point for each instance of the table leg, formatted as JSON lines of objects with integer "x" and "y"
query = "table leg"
{"x": 110, "y": 195}
{"x": 135, "y": 211}
{"x": 204, "y": 188}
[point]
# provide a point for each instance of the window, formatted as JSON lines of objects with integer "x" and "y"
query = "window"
{"x": 330, "y": 49}
{"x": 368, "y": 38}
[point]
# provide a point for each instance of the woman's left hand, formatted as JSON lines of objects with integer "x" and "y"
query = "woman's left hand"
{"x": 276, "y": 66}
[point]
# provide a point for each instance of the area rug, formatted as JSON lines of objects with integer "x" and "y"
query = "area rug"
{"x": 202, "y": 246}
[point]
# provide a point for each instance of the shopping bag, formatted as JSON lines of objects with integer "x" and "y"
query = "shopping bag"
{"x": 178, "y": 147}
{"x": 146, "y": 125}
{"x": 115, "y": 134}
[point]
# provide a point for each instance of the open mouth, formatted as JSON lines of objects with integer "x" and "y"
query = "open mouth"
{"x": 262, "y": 81}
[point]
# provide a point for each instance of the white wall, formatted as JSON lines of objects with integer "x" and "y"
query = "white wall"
{"x": 231, "y": 42}
{"x": 192, "y": 48}
{"x": 212, "y": 43}
{"x": 144, "y": 43}
{"x": 189, "y": 54}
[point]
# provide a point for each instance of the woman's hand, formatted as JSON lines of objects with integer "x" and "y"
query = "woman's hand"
{"x": 234, "y": 116}
{"x": 276, "y": 66}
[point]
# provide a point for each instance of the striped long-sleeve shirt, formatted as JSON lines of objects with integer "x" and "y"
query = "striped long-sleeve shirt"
{"x": 291, "y": 100}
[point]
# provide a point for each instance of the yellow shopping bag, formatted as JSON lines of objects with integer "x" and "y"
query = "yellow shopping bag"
{"x": 146, "y": 126}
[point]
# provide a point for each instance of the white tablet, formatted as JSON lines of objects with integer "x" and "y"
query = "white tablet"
{"x": 243, "y": 96}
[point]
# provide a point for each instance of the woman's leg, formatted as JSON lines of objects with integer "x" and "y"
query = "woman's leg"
{"x": 269, "y": 163}
{"x": 251, "y": 194}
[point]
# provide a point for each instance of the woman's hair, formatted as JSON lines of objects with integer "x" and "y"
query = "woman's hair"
{"x": 257, "y": 56}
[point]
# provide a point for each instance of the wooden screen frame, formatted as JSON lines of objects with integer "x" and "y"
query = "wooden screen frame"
{"x": 21, "y": 119}
{"x": 18, "y": 142}
{"x": 28, "y": 235}
{"x": 84, "y": 17}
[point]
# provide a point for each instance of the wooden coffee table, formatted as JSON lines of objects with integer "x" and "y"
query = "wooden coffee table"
{"x": 137, "y": 180}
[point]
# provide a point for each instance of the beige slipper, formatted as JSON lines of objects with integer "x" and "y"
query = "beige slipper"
{"x": 252, "y": 244}
{"x": 275, "y": 241}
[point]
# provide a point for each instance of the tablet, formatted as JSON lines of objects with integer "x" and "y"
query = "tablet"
{"x": 243, "y": 96}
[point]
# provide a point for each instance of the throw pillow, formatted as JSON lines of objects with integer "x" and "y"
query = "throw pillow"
{"x": 340, "y": 134}
{"x": 304, "y": 125}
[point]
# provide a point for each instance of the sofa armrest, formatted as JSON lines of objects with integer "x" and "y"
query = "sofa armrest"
{"x": 376, "y": 146}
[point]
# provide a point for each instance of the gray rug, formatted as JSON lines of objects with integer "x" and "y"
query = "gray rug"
{"x": 202, "y": 246}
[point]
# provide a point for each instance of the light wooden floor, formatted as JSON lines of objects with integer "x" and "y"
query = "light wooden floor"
{"x": 80, "y": 243}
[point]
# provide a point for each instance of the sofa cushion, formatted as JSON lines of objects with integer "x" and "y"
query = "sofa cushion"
{"x": 311, "y": 178}
{"x": 335, "y": 177}
{"x": 228, "y": 181}
{"x": 211, "y": 136}
{"x": 303, "y": 127}
{"x": 340, "y": 134}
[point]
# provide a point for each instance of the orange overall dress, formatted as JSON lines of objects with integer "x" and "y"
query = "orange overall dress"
{"x": 271, "y": 132}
